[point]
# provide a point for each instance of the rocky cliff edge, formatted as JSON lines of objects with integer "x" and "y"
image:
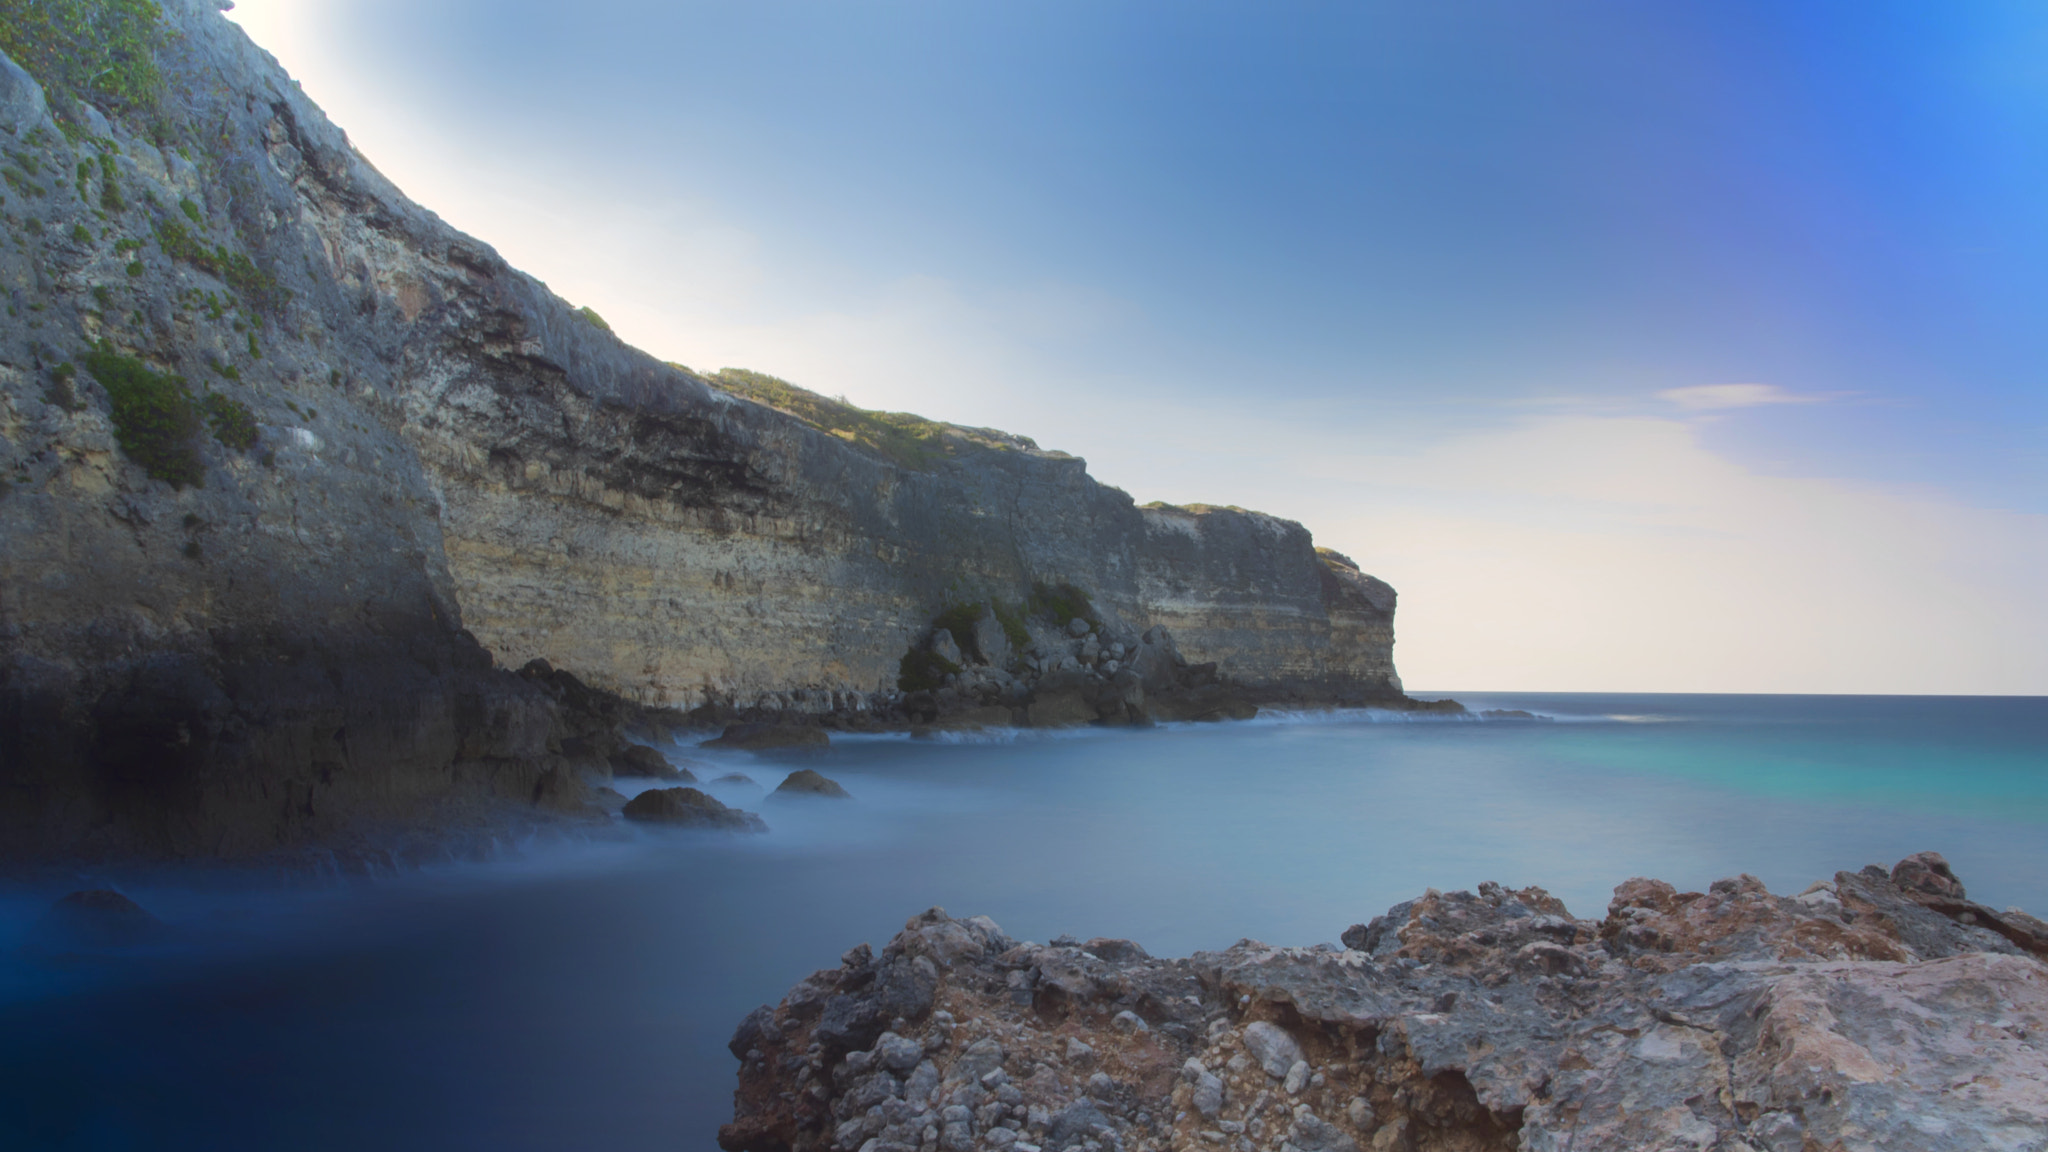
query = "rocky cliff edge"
{"x": 291, "y": 472}
{"x": 1874, "y": 1010}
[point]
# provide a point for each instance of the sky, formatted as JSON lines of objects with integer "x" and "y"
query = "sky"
{"x": 1681, "y": 347}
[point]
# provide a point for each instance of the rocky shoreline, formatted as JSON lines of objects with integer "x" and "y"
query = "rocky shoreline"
{"x": 293, "y": 476}
{"x": 1879, "y": 1009}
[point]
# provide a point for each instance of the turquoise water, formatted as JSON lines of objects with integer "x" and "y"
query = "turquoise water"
{"x": 579, "y": 995}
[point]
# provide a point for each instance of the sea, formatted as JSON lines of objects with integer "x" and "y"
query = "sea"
{"x": 578, "y": 993}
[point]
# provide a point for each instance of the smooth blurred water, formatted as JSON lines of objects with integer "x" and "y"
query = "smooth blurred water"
{"x": 580, "y": 995}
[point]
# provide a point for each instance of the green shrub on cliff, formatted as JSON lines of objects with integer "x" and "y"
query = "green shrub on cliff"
{"x": 101, "y": 51}
{"x": 959, "y": 620}
{"x": 155, "y": 420}
{"x": 922, "y": 670}
{"x": 589, "y": 316}
{"x": 242, "y": 274}
{"x": 234, "y": 424}
{"x": 1062, "y": 602}
{"x": 1013, "y": 624}
{"x": 901, "y": 437}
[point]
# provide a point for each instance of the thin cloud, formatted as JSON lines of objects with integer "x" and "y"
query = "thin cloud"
{"x": 1716, "y": 397}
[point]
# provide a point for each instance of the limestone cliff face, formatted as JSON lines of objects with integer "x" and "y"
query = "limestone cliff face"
{"x": 274, "y": 644}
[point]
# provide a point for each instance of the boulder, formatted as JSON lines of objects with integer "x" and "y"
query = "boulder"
{"x": 22, "y": 108}
{"x": 765, "y": 737}
{"x": 689, "y": 808}
{"x": 945, "y": 647}
{"x": 1272, "y": 1047}
{"x": 638, "y": 760}
{"x": 92, "y": 919}
{"x": 1156, "y": 660}
{"x": 1066, "y": 706}
{"x": 991, "y": 641}
{"x": 808, "y": 783}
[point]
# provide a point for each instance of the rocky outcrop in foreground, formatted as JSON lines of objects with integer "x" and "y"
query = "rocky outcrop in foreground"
{"x": 1874, "y": 1010}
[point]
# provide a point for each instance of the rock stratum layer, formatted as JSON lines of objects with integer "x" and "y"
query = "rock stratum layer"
{"x": 293, "y": 471}
{"x": 1873, "y": 1011}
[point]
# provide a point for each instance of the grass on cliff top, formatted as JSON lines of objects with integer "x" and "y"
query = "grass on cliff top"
{"x": 903, "y": 438}
{"x": 99, "y": 51}
{"x": 1201, "y": 509}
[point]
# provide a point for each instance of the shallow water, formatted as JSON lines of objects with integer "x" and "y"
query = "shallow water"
{"x": 580, "y": 995}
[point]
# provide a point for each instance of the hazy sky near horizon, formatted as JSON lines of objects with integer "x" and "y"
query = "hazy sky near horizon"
{"x": 1659, "y": 347}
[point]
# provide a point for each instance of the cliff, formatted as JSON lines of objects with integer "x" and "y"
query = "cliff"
{"x": 294, "y": 472}
{"x": 1873, "y": 1010}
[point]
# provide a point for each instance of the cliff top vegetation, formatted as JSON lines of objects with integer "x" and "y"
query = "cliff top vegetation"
{"x": 99, "y": 51}
{"x": 903, "y": 438}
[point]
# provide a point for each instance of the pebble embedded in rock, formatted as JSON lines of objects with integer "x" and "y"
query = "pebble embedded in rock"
{"x": 1272, "y": 1047}
{"x": 1297, "y": 1078}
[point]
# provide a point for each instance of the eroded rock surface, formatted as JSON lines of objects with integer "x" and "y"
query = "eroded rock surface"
{"x": 1863, "y": 1013}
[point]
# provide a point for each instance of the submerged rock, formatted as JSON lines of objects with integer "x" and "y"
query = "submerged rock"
{"x": 761, "y": 737}
{"x": 689, "y": 808}
{"x": 805, "y": 782}
{"x": 736, "y": 778}
{"x": 93, "y": 919}
{"x": 1863, "y": 1013}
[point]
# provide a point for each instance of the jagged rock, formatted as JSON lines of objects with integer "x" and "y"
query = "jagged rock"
{"x": 687, "y": 807}
{"x": 991, "y": 641}
{"x": 1848, "y": 1017}
{"x": 808, "y": 783}
{"x": 945, "y": 647}
{"x": 640, "y": 760}
{"x": 765, "y": 737}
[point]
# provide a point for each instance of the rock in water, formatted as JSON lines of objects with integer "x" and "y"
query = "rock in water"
{"x": 736, "y": 778}
{"x": 689, "y": 808}
{"x": 640, "y": 760}
{"x": 763, "y": 737}
{"x": 808, "y": 783}
{"x": 98, "y": 918}
{"x": 1860, "y": 1014}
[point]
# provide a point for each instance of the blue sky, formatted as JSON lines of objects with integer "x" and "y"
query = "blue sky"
{"x": 1675, "y": 346}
